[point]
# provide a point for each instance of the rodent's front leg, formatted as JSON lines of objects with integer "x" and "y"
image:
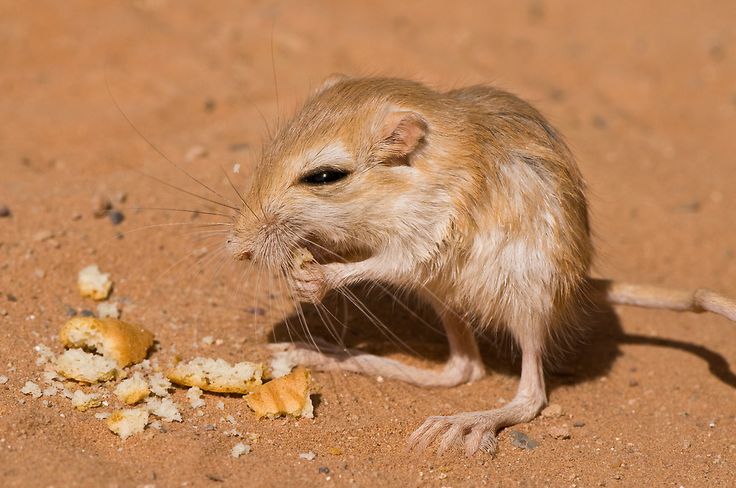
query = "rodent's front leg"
{"x": 310, "y": 281}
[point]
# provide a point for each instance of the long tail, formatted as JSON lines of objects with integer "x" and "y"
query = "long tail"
{"x": 647, "y": 296}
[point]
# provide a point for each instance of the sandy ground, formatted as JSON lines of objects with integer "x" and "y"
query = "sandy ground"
{"x": 644, "y": 93}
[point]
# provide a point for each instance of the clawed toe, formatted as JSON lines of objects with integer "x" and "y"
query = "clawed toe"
{"x": 472, "y": 431}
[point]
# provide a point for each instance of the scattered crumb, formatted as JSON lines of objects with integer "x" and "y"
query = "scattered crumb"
{"x": 124, "y": 342}
{"x": 165, "y": 408}
{"x": 50, "y": 391}
{"x": 132, "y": 390}
{"x": 102, "y": 415}
{"x": 208, "y": 340}
{"x": 217, "y": 375}
{"x": 31, "y": 388}
{"x": 45, "y": 355}
{"x": 160, "y": 385}
{"x": 126, "y": 423}
{"x": 194, "y": 395}
{"x": 286, "y": 395}
{"x": 281, "y": 365}
{"x": 3, "y": 379}
{"x": 239, "y": 449}
{"x": 309, "y": 456}
{"x": 236, "y": 168}
{"x": 82, "y": 366}
{"x": 220, "y": 405}
{"x": 83, "y": 401}
{"x": 93, "y": 283}
{"x": 108, "y": 310}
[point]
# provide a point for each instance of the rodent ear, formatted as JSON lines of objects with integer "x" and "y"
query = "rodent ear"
{"x": 401, "y": 133}
{"x": 330, "y": 81}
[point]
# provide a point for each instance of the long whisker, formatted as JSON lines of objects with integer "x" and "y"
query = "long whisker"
{"x": 153, "y": 146}
{"x": 239, "y": 194}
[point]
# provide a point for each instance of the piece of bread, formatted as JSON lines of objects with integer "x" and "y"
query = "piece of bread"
{"x": 93, "y": 283}
{"x": 217, "y": 375}
{"x": 132, "y": 390}
{"x": 79, "y": 365}
{"x": 124, "y": 342}
{"x": 287, "y": 395}
{"x": 83, "y": 401}
{"x": 165, "y": 408}
{"x": 127, "y": 422}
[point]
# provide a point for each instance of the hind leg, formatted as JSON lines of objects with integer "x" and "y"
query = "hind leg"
{"x": 463, "y": 365}
{"x": 477, "y": 430}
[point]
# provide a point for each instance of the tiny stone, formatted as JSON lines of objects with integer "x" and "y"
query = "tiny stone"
{"x": 633, "y": 383}
{"x": 686, "y": 444}
{"x": 100, "y": 205}
{"x": 87, "y": 313}
{"x": 195, "y": 152}
{"x": 522, "y": 441}
{"x": 324, "y": 470}
{"x": 11, "y": 297}
{"x": 712, "y": 424}
{"x": 553, "y": 410}
{"x": 5, "y": 211}
{"x": 116, "y": 217}
{"x": 559, "y": 432}
{"x": 578, "y": 423}
{"x": 40, "y": 274}
{"x": 43, "y": 235}
{"x": 239, "y": 449}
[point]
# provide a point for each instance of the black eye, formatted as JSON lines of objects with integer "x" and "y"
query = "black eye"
{"x": 324, "y": 176}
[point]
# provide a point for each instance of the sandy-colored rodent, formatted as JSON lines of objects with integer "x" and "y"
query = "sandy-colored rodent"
{"x": 468, "y": 197}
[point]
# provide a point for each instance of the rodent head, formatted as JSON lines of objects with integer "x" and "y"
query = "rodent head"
{"x": 349, "y": 173}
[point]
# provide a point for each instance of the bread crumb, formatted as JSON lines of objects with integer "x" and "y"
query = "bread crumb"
{"x": 217, "y": 375}
{"x": 156, "y": 425}
{"x": 45, "y": 355}
{"x": 160, "y": 385}
{"x": 281, "y": 365}
{"x": 83, "y": 401}
{"x": 93, "y": 283}
{"x": 194, "y": 395}
{"x": 165, "y": 408}
{"x": 108, "y": 310}
{"x": 220, "y": 405}
{"x": 50, "y": 391}
{"x": 127, "y": 422}
{"x": 239, "y": 449}
{"x": 288, "y": 395}
{"x": 82, "y": 366}
{"x": 3, "y": 379}
{"x": 102, "y": 415}
{"x": 31, "y": 388}
{"x": 309, "y": 456}
{"x": 124, "y": 342}
{"x": 208, "y": 340}
{"x": 132, "y": 390}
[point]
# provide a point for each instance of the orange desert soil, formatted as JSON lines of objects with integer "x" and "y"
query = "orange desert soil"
{"x": 643, "y": 91}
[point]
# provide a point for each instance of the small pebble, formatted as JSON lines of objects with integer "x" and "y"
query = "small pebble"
{"x": 70, "y": 312}
{"x": 43, "y": 235}
{"x": 552, "y": 411}
{"x": 5, "y": 211}
{"x": 195, "y": 152}
{"x": 324, "y": 470}
{"x": 522, "y": 441}
{"x": 116, "y": 217}
{"x": 578, "y": 423}
{"x": 11, "y": 297}
{"x": 87, "y": 313}
{"x": 561, "y": 432}
{"x": 100, "y": 205}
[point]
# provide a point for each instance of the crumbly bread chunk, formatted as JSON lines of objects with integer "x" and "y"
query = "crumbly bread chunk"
{"x": 132, "y": 390}
{"x": 79, "y": 365}
{"x": 31, "y": 388}
{"x": 93, "y": 283}
{"x": 288, "y": 395}
{"x": 239, "y": 449}
{"x": 217, "y": 375}
{"x": 108, "y": 310}
{"x": 124, "y": 342}
{"x": 194, "y": 395}
{"x": 83, "y": 401}
{"x": 127, "y": 422}
{"x": 281, "y": 365}
{"x": 165, "y": 408}
{"x": 160, "y": 385}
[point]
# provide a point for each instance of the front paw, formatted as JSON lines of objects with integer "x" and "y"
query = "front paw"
{"x": 307, "y": 282}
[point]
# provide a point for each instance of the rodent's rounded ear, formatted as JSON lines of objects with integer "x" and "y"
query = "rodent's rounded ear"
{"x": 330, "y": 81}
{"x": 401, "y": 132}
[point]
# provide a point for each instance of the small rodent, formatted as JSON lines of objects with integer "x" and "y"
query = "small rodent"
{"x": 468, "y": 197}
